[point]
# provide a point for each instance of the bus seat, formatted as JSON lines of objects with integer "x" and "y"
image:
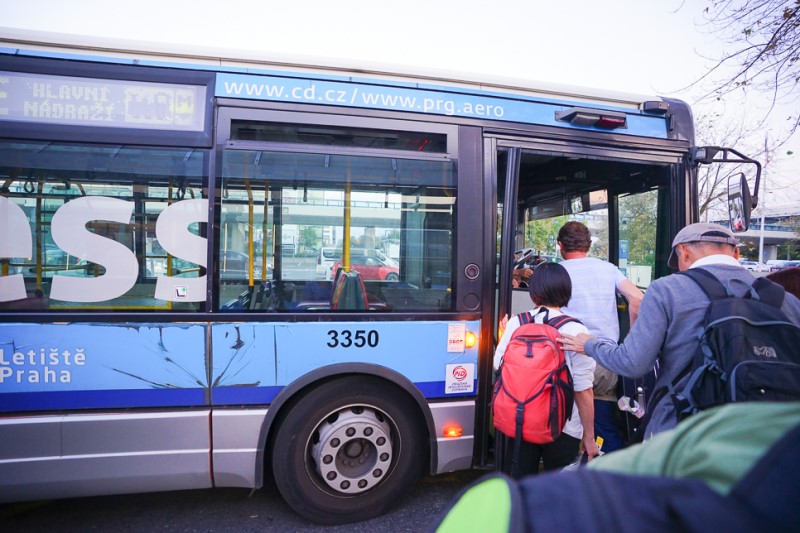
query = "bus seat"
{"x": 316, "y": 296}
{"x": 349, "y": 292}
{"x": 240, "y": 303}
{"x": 266, "y": 298}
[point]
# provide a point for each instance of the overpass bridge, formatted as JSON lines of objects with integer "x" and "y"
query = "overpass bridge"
{"x": 778, "y": 229}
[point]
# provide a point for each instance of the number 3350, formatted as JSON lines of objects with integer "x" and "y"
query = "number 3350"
{"x": 358, "y": 339}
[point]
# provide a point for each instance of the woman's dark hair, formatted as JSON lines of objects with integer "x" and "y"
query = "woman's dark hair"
{"x": 550, "y": 285}
{"x": 574, "y": 237}
{"x": 788, "y": 278}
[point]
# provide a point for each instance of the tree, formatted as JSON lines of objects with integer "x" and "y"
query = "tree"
{"x": 309, "y": 237}
{"x": 712, "y": 181}
{"x": 541, "y": 234}
{"x": 638, "y": 215}
{"x": 762, "y": 40}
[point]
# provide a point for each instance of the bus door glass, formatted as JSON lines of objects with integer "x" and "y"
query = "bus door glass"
{"x": 622, "y": 202}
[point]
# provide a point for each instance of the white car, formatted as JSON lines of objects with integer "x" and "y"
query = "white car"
{"x": 754, "y": 266}
{"x": 326, "y": 257}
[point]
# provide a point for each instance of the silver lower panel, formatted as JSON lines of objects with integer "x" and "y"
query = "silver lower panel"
{"x": 84, "y": 455}
{"x": 454, "y": 453}
{"x": 44, "y": 457}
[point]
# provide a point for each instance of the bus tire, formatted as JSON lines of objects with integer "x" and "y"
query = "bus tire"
{"x": 348, "y": 450}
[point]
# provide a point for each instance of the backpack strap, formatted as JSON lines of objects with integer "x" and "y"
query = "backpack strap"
{"x": 712, "y": 287}
{"x": 560, "y": 320}
{"x": 765, "y": 290}
{"x": 770, "y": 292}
{"x": 525, "y": 318}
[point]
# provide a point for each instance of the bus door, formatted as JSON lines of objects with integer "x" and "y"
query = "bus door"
{"x": 624, "y": 198}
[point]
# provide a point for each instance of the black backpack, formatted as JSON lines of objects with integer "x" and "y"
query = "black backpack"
{"x": 749, "y": 350}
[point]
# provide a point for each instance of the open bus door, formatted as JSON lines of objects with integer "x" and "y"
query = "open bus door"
{"x": 633, "y": 206}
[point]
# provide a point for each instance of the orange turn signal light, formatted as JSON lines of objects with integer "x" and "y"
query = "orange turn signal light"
{"x": 452, "y": 431}
{"x": 470, "y": 339}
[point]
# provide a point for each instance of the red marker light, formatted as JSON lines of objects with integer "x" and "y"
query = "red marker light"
{"x": 610, "y": 123}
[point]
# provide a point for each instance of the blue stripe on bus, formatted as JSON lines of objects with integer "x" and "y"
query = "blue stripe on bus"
{"x": 396, "y": 95}
{"x": 266, "y": 395}
{"x": 244, "y": 395}
{"x": 106, "y": 366}
{"x": 490, "y": 106}
{"x": 101, "y": 399}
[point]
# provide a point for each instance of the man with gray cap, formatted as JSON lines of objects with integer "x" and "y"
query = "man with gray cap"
{"x": 671, "y": 314}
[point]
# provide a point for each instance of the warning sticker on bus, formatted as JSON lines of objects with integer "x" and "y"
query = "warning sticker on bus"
{"x": 459, "y": 378}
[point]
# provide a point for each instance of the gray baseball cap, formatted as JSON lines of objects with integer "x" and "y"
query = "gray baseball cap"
{"x": 701, "y": 232}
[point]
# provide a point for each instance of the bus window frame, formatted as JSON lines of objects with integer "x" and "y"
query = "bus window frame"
{"x": 226, "y": 114}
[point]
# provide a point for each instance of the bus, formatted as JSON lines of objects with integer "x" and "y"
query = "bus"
{"x": 164, "y": 324}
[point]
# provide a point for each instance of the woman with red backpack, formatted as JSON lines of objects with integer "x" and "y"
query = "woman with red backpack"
{"x": 538, "y": 380}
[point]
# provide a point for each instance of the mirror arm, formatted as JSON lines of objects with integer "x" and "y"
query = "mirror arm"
{"x": 709, "y": 154}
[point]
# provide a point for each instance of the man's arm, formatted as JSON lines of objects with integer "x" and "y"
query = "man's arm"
{"x": 634, "y": 296}
{"x": 637, "y": 355}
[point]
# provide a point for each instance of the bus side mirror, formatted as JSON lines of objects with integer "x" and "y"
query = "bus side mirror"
{"x": 740, "y": 203}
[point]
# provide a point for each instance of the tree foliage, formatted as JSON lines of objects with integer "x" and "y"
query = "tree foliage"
{"x": 762, "y": 50}
{"x": 712, "y": 182}
{"x": 638, "y": 215}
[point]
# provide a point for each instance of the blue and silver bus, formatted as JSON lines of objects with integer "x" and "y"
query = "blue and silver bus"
{"x": 166, "y": 321}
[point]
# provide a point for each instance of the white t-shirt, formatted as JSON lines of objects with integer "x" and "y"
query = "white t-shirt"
{"x": 594, "y": 295}
{"x": 580, "y": 366}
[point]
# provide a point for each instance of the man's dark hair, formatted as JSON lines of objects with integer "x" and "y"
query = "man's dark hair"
{"x": 574, "y": 237}
{"x": 550, "y": 285}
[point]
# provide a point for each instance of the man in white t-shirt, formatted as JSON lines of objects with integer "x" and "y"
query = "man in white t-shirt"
{"x": 595, "y": 285}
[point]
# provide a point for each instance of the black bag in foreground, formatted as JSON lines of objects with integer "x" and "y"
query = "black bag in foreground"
{"x": 749, "y": 350}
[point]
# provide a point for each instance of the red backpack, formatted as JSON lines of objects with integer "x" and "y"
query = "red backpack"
{"x": 533, "y": 395}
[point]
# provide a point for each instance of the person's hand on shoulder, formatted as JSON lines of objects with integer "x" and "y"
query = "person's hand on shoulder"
{"x": 574, "y": 343}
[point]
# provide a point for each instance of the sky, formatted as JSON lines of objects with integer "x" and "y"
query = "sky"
{"x": 651, "y": 47}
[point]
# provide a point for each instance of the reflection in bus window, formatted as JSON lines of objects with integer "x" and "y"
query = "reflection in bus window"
{"x": 290, "y": 212}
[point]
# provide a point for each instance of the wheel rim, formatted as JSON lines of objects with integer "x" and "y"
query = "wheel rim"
{"x": 352, "y": 449}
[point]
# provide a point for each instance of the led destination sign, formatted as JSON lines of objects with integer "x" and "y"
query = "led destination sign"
{"x": 76, "y": 101}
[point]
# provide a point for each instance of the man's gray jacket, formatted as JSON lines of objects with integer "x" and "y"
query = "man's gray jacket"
{"x": 670, "y": 317}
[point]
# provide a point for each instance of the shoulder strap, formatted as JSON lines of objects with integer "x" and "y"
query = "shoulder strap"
{"x": 769, "y": 292}
{"x": 713, "y": 287}
{"x": 525, "y": 318}
{"x": 560, "y": 320}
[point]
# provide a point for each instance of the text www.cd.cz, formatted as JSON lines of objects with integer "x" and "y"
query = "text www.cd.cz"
{"x": 358, "y": 96}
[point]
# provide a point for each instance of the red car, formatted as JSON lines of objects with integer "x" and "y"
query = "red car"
{"x": 372, "y": 268}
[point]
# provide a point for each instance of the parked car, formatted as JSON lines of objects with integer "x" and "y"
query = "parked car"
{"x": 326, "y": 257}
{"x": 784, "y": 264}
{"x": 754, "y": 266}
{"x": 236, "y": 265}
{"x": 372, "y": 267}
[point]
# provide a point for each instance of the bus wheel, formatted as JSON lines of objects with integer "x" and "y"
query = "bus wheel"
{"x": 348, "y": 451}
